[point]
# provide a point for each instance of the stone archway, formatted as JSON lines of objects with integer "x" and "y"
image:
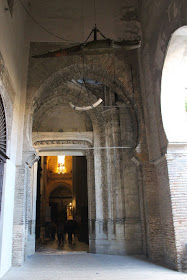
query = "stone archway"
{"x": 113, "y": 135}
{"x": 173, "y": 88}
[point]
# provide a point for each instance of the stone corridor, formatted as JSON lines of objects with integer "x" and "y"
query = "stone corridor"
{"x": 93, "y": 118}
{"x": 66, "y": 266}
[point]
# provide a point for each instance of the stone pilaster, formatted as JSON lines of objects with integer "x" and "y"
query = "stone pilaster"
{"x": 91, "y": 195}
{"x": 114, "y": 224}
{"x": 19, "y": 234}
{"x": 42, "y": 198}
{"x": 177, "y": 171}
{"x": 22, "y": 202}
{"x": 31, "y": 211}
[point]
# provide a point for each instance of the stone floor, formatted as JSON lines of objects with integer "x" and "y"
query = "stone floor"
{"x": 51, "y": 246}
{"x": 70, "y": 262}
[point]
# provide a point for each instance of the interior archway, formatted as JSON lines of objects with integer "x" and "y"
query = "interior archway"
{"x": 104, "y": 124}
{"x": 109, "y": 135}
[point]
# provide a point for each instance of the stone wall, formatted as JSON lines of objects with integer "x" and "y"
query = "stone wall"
{"x": 170, "y": 15}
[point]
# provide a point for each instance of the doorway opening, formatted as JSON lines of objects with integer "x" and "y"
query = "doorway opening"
{"x": 62, "y": 204}
{"x": 174, "y": 88}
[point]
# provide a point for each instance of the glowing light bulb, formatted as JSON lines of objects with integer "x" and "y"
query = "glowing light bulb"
{"x": 61, "y": 159}
{"x": 61, "y": 167}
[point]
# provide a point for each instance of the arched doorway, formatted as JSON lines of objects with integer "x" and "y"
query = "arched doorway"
{"x": 62, "y": 200}
{"x": 59, "y": 200}
{"x": 174, "y": 88}
{"x": 108, "y": 135}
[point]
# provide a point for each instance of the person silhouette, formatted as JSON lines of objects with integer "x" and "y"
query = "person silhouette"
{"x": 60, "y": 232}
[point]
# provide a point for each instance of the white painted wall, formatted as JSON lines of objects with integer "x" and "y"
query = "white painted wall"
{"x": 6, "y": 220}
{"x": 14, "y": 50}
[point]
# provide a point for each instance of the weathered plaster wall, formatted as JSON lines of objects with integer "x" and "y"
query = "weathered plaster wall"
{"x": 60, "y": 118}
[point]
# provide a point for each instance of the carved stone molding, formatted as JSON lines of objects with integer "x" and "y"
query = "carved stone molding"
{"x": 61, "y": 142}
{"x": 59, "y": 176}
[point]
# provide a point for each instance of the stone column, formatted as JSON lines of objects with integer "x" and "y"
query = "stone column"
{"x": 114, "y": 184}
{"x": 31, "y": 210}
{"x": 43, "y": 181}
{"x": 100, "y": 192}
{"x": 99, "y": 186}
{"x": 91, "y": 200}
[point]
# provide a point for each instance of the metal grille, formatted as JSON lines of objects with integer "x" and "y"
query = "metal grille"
{"x": 3, "y": 156}
{"x": 2, "y": 128}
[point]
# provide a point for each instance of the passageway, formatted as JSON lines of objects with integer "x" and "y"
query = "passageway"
{"x": 43, "y": 266}
{"x": 93, "y": 139}
{"x": 62, "y": 204}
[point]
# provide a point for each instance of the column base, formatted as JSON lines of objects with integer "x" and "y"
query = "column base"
{"x": 30, "y": 247}
{"x": 115, "y": 247}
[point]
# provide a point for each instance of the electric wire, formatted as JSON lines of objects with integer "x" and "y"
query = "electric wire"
{"x": 15, "y": 2}
{"x": 95, "y": 12}
{"x": 82, "y": 56}
{"x": 105, "y": 106}
{"x": 92, "y": 148}
{"x": 41, "y": 26}
{"x": 102, "y": 34}
{"x": 114, "y": 69}
{"x": 132, "y": 78}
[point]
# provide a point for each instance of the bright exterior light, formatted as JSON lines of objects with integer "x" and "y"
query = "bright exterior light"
{"x": 173, "y": 95}
{"x": 186, "y": 99}
{"x": 61, "y": 166}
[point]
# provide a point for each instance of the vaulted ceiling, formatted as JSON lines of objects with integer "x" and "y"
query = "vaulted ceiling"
{"x": 73, "y": 20}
